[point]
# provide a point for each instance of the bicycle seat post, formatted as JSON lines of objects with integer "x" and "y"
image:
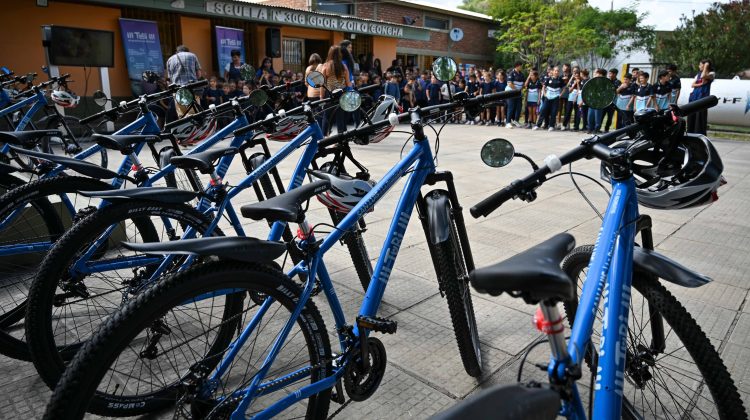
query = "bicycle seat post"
{"x": 549, "y": 321}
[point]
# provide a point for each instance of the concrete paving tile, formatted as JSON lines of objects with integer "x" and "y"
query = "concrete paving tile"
{"x": 735, "y": 358}
{"x": 714, "y": 293}
{"x": 722, "y": 265}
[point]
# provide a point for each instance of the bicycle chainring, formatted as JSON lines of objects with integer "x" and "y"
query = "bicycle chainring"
{"x": 361, "y": 385}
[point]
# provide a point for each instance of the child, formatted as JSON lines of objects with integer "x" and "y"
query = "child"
{"x": 533, "y": 88}
{"x": 623, "y": 103}
{"x": 212, "y": 95}
{"x": 595, "y": 116}
{"x": 551, "y": 89}
{"x": 662, "y": 91}
{"x": 644, "y": 93}
{"x": 571, "y": 103}
{"x": 433, "y": 91}
{"x": 500, "y": 86}
{"x": 485, "y": 88}
{"x": 515, "y": 82}
{"x": 609, "y": 111}
{"x": 674, "y": 82}
{"x": 226, "y": 91}
{"x": 472, "y": 88}
{"x": 584, "y": 107}
{"x": 391, "y": 88}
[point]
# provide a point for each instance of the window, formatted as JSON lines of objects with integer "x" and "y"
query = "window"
{"x": 345, "y": 7}
{"x": 435, "y": 23}
{"x": 293, "y": 52}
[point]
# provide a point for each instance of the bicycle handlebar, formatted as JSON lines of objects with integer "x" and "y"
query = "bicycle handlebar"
{"x": 420, "y": 112}
{"x": 596, "y": 146}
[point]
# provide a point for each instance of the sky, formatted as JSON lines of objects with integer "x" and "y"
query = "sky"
{"x": 664, "y": 15}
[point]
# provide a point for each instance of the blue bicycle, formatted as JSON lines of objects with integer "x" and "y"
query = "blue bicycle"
{"x": 236, "y": 338}
{"x": 35, "y": 214}
{"x": 87, "y": 274}
{"x": 649, "y": 358}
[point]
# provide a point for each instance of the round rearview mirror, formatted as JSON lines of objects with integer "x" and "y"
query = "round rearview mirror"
{"x": 598, "y": 92}
{"x": 350, "y": 101}
{"x": 258, "y": 97}
{"x": 444, "y": 68}
{"x": 315, "y": 79}
{"x": 247, "y": 72}
{"x": 497, "y": 153}
{"x": 100, "y": 98}
{"x": 184, "y": 97}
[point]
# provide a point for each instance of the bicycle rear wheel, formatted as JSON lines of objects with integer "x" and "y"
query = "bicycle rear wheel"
{"x": 72, "y": 294}
{"x": 191, "y": 309}
{"x": 686, "y": 379}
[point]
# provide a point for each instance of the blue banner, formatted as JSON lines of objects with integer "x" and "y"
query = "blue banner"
{"x": 140, "y": 39}
{"x": 228, "y": 39}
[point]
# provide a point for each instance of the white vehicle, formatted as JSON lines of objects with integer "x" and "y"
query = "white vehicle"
{"x": 734, "y": 101}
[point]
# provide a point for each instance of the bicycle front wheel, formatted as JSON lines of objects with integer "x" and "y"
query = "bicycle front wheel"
{"x": 684, "y": 379}
{"x": 454, "y": 282}
{"x": 160, "y": 349}
{"x": 88, "y": 275}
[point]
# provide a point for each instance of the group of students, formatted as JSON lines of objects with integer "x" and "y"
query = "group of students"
{"x": 554, "y": 101}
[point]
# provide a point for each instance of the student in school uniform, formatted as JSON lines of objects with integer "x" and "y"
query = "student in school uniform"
{"x": 515, "y": 81}
{"x": 571, "y": 103}
{"x": 643, "y": 96}
{"x": 542, "y": 103}
{"x": 502, "y": 106}
{"x": 551, "y": 90}
{"x": 533, "y": 91}
{"x": 433, "y": 91}
{"x": 622, "y": 101}
{"x": 583, "y": 106}
{"x": 674, "y": 82}
{"x": 486, "y": 87}
{"x": 662, "y": 91}
{"x": 609, "y": 111}
{"x": 566, "y": 76}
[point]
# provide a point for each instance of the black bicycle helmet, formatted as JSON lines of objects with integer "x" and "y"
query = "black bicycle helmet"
{"x": 688, "y": 176}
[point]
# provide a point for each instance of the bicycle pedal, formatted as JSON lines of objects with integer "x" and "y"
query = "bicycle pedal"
{"x": 374, "y": 323}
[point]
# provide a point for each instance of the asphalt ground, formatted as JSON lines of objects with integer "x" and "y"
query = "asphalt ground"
{"x": 424, "y": 373}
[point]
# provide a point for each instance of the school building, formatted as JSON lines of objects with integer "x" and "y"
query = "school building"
{"x": 289, "y": 31}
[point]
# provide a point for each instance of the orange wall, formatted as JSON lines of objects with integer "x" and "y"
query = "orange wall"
{"x": 384, "y": 49}
{"x": 196, "y": 35}
{"x": 22, "y": 51}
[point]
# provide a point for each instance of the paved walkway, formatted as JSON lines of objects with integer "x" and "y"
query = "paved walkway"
{"x": 424, "y": 372}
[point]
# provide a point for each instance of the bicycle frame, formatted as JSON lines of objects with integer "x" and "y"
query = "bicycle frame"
{"x": 421, "y": 160}
{"x": 609, "y": 274}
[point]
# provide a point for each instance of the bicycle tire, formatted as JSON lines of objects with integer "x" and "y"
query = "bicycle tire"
{"x": 454, "y": 282}
{"x": 8, "y": 182}
{"x": 188, "y": 178}
{"x": 74, "y": 134}
{"x": 78, "y": 386}
{"x": 49, "y": 355}
{"x": 698, "y": 346}
{"x": 13, "y": 294}
{"x": 357, "y": 250}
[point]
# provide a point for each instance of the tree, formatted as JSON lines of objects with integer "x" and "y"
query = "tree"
{"x": 720, "y": 34}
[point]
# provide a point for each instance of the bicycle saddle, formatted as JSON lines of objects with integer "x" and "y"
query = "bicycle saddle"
{"x": 124, "y": 143}
{"x": 286, "y": 207}
{"x": 202, "y": 161}
{"x": 534, "y": 274}
{"x": 239, "y": 248}
{"x": 7, "y": 169}
{"x": 27, "y": 139}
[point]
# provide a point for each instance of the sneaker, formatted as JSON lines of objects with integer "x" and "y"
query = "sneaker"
{"x": 551, "y": 129}
{"x": 472, "y": 123}
{"x": 509, "y": 125}
{"x": 517, "y": 124}
{"x": 527, "y": 126}
{"x": 536, "y": 127}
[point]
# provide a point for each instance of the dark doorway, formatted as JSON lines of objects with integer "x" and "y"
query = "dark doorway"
{"x": 315, "y": 46}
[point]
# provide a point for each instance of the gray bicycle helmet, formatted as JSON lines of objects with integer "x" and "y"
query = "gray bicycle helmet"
{"x": 688, "y": 176}
{"x": 345, "y": 191}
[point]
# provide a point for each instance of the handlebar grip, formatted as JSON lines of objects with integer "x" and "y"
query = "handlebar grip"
{"x": 367, "y": 88}
{"x": 489, "y": 204}
{"x": 699, "y": 105}
{"x": 96, "y": 116}
{"x": 196, "y": 84}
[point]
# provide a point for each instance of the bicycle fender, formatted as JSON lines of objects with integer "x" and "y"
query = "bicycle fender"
{"x": 506, "y": 402}
{"x": 168, "y": 195}
{"x": 666, "y": 268}
{"x": 256, "y": 159}
{"x": 81, "y": 166}
{"x": 165, "y": 154}
{"x": 437, "y": 204}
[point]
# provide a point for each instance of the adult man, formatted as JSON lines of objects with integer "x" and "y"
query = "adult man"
{"x": 609, "y": 111}
{"x": 182, "y": 68}
{"x": 515, "y": 80}
{"x": 674, "y": 82}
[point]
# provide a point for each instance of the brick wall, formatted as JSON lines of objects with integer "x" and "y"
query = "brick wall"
{"x": 475, "y": 39}
{"x": 295, "y": 4}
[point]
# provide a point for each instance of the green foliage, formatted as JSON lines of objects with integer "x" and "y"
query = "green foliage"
{"x": 720, "y": 34}
{"x": 546, "y": 31}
